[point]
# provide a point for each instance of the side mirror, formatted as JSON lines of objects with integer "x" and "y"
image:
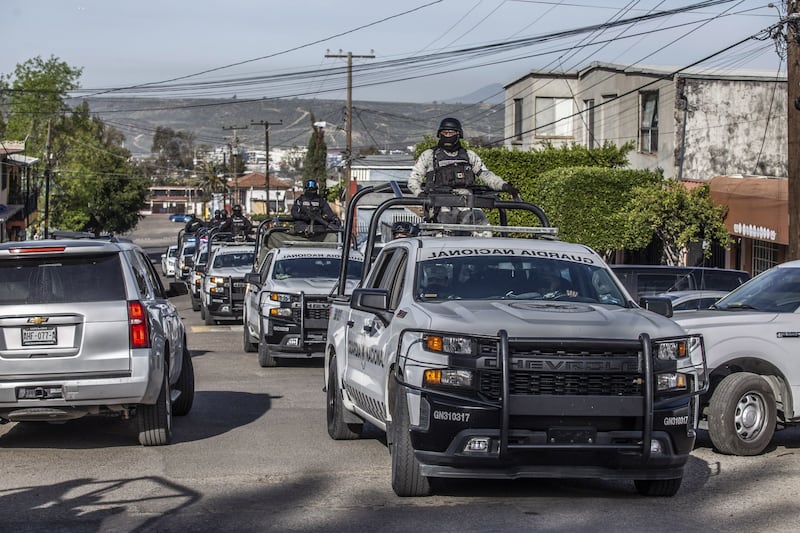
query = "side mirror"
{"x": 177, "y": 288}
{"x": 253, "y": 278}
{"x": 375, "y": 301}
{"x": 657, "y": 304}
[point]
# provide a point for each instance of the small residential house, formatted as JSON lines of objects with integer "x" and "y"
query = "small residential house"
{"x": 250, "y": 191}
{"x": 695, "y": 124}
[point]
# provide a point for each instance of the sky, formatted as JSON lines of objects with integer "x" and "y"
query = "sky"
{"x": 411, "y": 51}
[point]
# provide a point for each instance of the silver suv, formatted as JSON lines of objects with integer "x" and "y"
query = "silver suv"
{"x": 86, "y": 328}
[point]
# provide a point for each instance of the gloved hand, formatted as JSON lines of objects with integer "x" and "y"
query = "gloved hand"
{"x": 510, "y": 189}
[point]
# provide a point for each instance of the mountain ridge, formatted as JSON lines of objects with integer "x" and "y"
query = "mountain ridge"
{"x": 385, "y": 125}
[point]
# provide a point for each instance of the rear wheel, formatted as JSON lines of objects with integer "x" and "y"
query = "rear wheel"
{"x": 407, "y": 478}
{"x": 202, "y": 311}
{"x": 185, "y": 385}
{"x": 658, "y": 487}
{"x": 338, "y": 429}
{"x": 155, "y": 421}
{"x": 741, "y": 415}
{"x": 195, "y": 302}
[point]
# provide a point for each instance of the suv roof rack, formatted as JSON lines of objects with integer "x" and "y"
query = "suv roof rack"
{"x": 63, "y": 234}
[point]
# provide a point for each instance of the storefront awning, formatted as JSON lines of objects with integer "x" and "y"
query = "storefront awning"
{"x": 8, "y": 211}
{"x": 758, "y": 207}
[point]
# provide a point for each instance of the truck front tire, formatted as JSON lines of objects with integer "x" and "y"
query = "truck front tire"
{"x": 407, "y": 479}
{"x": 658, "y": 487}
{"x": 741, "y": 415}
{"x": 338, "y": 429}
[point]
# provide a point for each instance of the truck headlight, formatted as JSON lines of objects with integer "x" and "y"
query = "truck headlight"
{"x": 671, "y": 350}
{"x": 448, "y": 377}
{"x": 280, "y": 311}
{"x": 671, "y": 381}
{"x": 280, "y": 297}
{"x": 450, "y": 344}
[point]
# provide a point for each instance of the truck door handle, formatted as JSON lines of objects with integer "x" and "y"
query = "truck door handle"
{"x": 350, "y": 323}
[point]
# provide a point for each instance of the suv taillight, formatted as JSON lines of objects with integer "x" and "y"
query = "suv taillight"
{"x": 139, "y": 331}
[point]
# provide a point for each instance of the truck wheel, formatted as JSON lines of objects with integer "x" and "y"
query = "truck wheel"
{"x": 338, "y": 429}
{"x": 741, "y": 415}
{"x": 407, "y": 480}
{"x": 247, "y": 343}
{"x": 658, "y": 487}
{"x": 265, "y": 359}
{"x": 195, "y": 303}
{"x": 155, "y": 421}
{"x": 209, "y": 320}
{"x": 202, "y": 311}
{"x": 185, "y": 385}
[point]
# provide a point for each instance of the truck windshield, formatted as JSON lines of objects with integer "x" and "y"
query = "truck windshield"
{"x": 315, "y": 267}
{"x": 775, "y": 291}
{"x": 512, "y": 277}
{"x": 242, "y": 259}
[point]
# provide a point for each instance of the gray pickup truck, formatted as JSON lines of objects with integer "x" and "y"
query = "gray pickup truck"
{"x": 508, "y": 357}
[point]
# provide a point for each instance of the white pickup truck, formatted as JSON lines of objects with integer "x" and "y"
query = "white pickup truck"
{"x": 286, "y": 301}
{"x": 751, "y": 339}
{"x": 508, "y": 358}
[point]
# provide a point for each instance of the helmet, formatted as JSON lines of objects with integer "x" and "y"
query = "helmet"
{"x": 237, "y": 209}
{"x": 223, "y": 214}
{"x": 402, "y": 228}
{"x": 216, "y": 213}
{"x": 310, "y": 185}
{"x": 450, "y": 124}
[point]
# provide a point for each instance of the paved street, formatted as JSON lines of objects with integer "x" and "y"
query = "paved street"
{"x": 254, "y": 455}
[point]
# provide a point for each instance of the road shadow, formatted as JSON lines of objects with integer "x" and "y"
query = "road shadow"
{"x": 213, "y": 413}
{"x": 88, "y": 504}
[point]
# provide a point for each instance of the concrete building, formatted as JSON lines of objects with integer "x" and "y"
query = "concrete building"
{"x": 722, "y": 127}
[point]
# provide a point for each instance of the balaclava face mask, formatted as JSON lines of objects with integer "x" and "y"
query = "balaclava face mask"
{"x": 451, "y": 144}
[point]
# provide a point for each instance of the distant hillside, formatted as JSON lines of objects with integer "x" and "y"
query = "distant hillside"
{"x": 382, "y": 124}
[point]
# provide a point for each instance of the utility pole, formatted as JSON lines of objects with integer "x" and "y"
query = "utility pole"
{"x": 47, "y": 174}
{"x": 266, "y": 125}
{"x": 793, "y": 124}
{"x": 234, "y": 150}
{"x": 348, "y": 151}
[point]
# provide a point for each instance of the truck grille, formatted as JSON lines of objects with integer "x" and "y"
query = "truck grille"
{"x": 314, "y": 310}
{"x": 563, "y": 369}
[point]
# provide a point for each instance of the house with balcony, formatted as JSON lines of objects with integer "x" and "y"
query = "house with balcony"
{"x": 18, "y": 192}
{"x": 695, "y": 125}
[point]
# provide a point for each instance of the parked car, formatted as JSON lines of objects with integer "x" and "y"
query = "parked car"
{"x": 180, "y": 217}
{"x": 86, "y": 328}
{"x": 168, "y": 260}
{"x": 648, "y": 280}
{"x": 692, "y": 300}
{"x": 751, "y": 339}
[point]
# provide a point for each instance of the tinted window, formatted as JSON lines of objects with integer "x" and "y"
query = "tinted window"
{"x": 64, "y": 279}
{"x": 314, "y": 267}
{"x": 234, "y": 260}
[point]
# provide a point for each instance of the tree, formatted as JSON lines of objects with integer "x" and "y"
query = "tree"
{"x": 95, "y": 187}
{"x": 677, "y": 216}
{"x": 589, "y": 205}
{"x": 173, "y": 149}
{"x": 93, "y": 182}
{"x": 35, "y": 94}
{"x": 315, "y": 165}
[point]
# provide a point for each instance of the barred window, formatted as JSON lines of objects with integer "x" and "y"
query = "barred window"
{"x": 648, "y": 141}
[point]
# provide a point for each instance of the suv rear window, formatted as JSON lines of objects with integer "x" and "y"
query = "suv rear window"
{"x": 39, "y": 280}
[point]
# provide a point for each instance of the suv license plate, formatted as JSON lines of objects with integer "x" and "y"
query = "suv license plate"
{"x": 39, "y": 336}
{"x": 572, "y": 436}
{"x": 43, "y": 392}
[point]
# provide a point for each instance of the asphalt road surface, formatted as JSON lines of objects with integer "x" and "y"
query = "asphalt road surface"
{"x": 254, "y": 455}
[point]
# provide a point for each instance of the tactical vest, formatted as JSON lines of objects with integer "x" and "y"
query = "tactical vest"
{"x": 451, "y": 171}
